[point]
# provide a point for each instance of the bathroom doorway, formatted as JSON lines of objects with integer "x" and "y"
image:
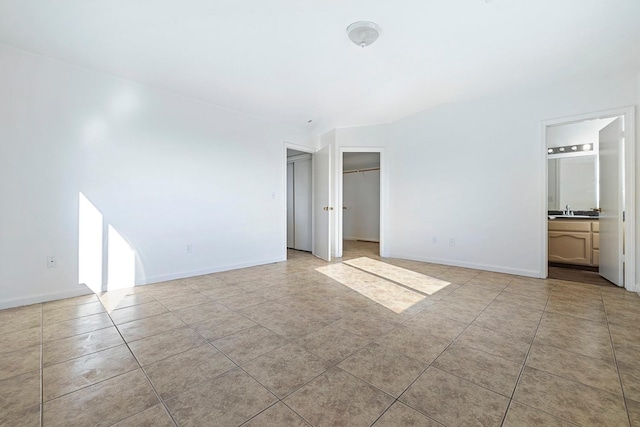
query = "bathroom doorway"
{"x": 589, "y": 192}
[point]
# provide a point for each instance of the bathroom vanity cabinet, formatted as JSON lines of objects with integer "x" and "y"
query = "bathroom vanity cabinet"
{"x": 574, "y": 241}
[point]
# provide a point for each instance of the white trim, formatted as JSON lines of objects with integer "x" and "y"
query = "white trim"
{"x": 192, "y": 273}
{"x": 629, "y": 182}
{"x": 36, "y": 299}
{"x": 339, "y": 187}
{"x": 474, "y": 266}
{"x": 310, "y": 151}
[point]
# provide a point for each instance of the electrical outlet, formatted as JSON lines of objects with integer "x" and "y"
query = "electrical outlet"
{"x": 452, "y": 242}
{"x": 52, "y": 262}
{"x": 189, "y": 248}
{"x": 434, "y": 240}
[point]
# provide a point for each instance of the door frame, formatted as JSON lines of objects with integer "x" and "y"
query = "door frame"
{"x": 339, "y": 189}
{"x": 629, "y": 188}
{"x": 305, "y": 149}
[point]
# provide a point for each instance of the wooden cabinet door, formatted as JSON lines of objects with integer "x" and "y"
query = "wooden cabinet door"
{"x": 570, "y": 247}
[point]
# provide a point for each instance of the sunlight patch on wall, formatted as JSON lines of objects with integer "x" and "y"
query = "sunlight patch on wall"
{"x": 411, "y": 279}
{"x": 390, "y": 295}
{"x": 121, "y": 263}
{"x": 89, "y": 244}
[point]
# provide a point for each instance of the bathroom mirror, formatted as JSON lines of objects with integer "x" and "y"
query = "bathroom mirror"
{"x": 573, "y": 181}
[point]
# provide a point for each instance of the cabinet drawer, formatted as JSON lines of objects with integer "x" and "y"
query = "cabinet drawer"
{"x": 595, "y": 226}
{"x": 562, "y": 225}
{"x": 570, "y": 247}
{"x": 595, "y": 257}
{"x": 595, "y": 240}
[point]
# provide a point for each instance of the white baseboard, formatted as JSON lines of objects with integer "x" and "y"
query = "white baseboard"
{"x": 476, "y": 266}
{"x": 166, "y": 277}
{"x": 36, "y": 299}
{"x": 84, "y": 290}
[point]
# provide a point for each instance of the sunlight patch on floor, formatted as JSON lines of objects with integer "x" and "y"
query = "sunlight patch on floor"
{"x": 418, "y": 281}
{"x": 390, "y": 295}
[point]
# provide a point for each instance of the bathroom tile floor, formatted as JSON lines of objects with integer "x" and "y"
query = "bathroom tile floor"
{"x": 577, "y": 274}
{"x": 360, "y": 341}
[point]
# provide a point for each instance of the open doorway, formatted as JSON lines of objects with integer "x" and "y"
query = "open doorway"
{"x": 589, "y": 191}
{"x": 359, "y": 219}
{"x": 299, "y": 200}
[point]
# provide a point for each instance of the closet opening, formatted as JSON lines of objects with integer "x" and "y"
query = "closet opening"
{"x": 361, "y": 203}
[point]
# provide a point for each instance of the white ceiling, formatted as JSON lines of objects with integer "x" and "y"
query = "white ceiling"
{"x": 289, "y": 61}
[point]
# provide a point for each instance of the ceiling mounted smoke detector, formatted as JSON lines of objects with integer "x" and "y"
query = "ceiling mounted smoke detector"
{"x": 363, "y": 33}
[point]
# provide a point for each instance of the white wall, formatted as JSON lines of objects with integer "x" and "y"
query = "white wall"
{"x": 361, "y": 196}
{"x": 473, "y": 171}
{"x": 165, "y": 171}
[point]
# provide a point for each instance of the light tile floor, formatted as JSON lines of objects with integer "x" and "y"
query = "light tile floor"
{"x": 357, "y": 342}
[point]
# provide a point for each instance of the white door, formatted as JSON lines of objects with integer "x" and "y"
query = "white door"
{"x": 611, "y": 202}
{"x": 321, "y": 203}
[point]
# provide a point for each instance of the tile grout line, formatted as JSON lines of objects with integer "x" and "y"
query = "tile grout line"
{"x": 281, "y": 400}
{"x": 141, "y": 368}
{"x": 524, "y": 365}
{"x": 207, "y": 342}
{"x": 278, "y": 400}
{"x": 456, "y": 339}
{"x": 290, "y": 341}
{"x": 557, "y": 375}
{"x": 397, "y": 399}
{"x": 524, "y": 362}
{"x": 264, "y": 410}
{"x": 615, "y": 358}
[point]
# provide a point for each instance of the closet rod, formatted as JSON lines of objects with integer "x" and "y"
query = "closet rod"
{"x": 362, "y": 170}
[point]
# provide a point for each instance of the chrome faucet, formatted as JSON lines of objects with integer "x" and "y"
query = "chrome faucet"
{"x": 568, "y": 210}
